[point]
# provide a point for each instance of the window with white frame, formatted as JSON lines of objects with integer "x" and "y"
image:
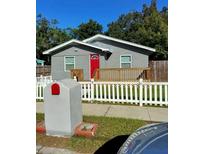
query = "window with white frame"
{"x": 69, "y": 63}
{"x": 125, "y": 61}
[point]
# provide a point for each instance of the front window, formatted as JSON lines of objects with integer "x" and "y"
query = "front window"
{"x": 69, "y": 63}
{"x": 126, "y": 61}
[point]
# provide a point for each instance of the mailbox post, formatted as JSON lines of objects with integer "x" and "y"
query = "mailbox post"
{"x": 63, "y": 108}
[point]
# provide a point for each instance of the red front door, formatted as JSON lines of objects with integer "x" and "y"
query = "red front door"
{"x": 94, "y": 64}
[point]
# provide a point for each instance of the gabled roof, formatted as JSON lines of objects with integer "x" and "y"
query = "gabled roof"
{"x": 73, "y": 42}
{"x": 100, "y": 36}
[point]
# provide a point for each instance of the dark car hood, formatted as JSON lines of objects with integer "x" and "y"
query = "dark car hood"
{"x": 151, "y": 139}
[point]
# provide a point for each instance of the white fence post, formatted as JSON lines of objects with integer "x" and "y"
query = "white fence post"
{"x": 141, "y": 91}
{"x": 74, "y": 78}
{"x": 92, "y": 90}
{"x": 130, "y": 92}
{"x": 41, "y": 79}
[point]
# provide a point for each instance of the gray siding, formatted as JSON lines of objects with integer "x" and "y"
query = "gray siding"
{"x": 82, "y": 56}
{"x": 82, "y": 61}
{"x": 138, "y": 59}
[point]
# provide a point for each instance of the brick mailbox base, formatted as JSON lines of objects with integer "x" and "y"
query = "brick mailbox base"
{"x": 86, "y": 130}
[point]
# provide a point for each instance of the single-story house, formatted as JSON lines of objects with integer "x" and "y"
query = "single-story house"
{"x": 96, "y": 52}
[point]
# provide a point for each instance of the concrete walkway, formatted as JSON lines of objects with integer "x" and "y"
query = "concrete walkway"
{"x": 156, "y": 114}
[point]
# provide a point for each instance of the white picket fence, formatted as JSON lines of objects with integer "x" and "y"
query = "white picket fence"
{"x": 44, "y": 79}
{"x": 41, "y": 83}
{"x": 139, "y": 92}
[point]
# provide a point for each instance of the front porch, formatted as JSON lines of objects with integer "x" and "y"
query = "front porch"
{"x": 115, "y": 74}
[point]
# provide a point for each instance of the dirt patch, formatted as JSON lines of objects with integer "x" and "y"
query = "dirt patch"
{"x": 51, "y": 141}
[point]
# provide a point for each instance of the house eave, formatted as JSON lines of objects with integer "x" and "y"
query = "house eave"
{"x": 73, "y": 42}
{"x": 119, "y": 41}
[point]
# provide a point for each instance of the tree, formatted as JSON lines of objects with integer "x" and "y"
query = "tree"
{"x": 48, "y": 36}
{"x": 149, "y": 27}
{"x": 42, "y": 38}
{"x": 86, "y": 30}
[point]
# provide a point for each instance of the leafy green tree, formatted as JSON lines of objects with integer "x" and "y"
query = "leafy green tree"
{"x": 149, "y": 27}
{"x": 86, "y": 30}
{"x": 42, "y": 37}
{"x": 48, "y": 35}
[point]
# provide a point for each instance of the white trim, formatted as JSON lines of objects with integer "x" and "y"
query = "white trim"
{"x": 66, "y": 63}
{"x": 118, "y": 40}
{"x": 73, "y": 41}
{"x": 126, "y": 63}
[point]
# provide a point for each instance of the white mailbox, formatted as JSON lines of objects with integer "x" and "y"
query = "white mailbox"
{"x": 63, "y": 108}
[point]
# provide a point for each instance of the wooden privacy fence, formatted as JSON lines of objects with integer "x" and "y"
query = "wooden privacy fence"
{"x": 138, "y": 92}
{"x": 159, "y": 71}
{"x": 43, "y": 70}
{"x": 122, "y": 74}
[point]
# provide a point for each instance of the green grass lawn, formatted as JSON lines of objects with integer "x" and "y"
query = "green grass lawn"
{"x": 107, "y": 129}
{"x": 125, "y": 104}
{"x": 39, "y": 100}
{"x": 116, "y": 103}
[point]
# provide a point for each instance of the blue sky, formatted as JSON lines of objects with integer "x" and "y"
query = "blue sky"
{"x": 71, "y": 13}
